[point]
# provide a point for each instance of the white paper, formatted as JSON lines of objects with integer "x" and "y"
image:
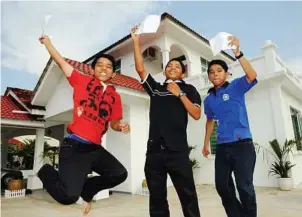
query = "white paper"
{"x": 149, "y": 25}
{"x": 221, "y": 42}
{"x": 46, "y": 19}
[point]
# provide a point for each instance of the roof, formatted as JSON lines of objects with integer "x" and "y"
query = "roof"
{"x": 163, "y": 16}
{"x": 8, "y": 105}
{"x": 24, "y": 95}
{"x": 120, "y": 80}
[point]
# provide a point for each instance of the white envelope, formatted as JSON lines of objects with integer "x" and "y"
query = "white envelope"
{"x": 221, "y": 42}
{"x": 46, "y": 19}
{"x": 149, "y": 25}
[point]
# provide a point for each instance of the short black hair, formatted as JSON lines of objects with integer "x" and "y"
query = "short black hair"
{"x": 183, "y": 68}
{"x": 107, "y": 56}
{"x": 218, "y": 62}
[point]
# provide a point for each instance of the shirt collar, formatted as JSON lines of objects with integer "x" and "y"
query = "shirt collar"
{"x": 212, "y": 89}
{"x": 168, "y": 81}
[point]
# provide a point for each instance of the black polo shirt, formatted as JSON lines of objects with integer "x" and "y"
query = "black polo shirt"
{"x": 168, "y": 116}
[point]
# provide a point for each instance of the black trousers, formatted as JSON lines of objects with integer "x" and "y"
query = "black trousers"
{"x": 76, "y": 161}
{"x": 240, "y": 158}
{"x": 159, "y": 163}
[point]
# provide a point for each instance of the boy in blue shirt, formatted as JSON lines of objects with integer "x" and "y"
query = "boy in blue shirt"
{"x": 235, "y": 151}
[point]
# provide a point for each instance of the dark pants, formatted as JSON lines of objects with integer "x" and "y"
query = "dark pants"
{"x": 240, "y": 158}
{"x": 76, "y": 161}
{"x": 159, "y": 163}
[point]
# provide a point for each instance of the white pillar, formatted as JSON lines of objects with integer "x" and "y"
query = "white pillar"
{"x": 139, "y": 123}
{"x": 166, "y": 57}
{"x": 269, "y": 51}
{"x": 277, "y": 104}
{"x": 33, "y": 181}
{"x": 104, "y": 193}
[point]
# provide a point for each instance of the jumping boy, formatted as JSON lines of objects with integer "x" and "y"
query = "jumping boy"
{"x": 96, "y": 105}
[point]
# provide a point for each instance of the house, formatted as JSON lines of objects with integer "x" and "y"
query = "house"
{"x": 274, "y": 105}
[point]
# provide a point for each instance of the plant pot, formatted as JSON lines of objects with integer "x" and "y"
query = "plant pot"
{"x": 144, "y": 184}
{"x": 14, "y": 185}
{"x": 285, "y": 184}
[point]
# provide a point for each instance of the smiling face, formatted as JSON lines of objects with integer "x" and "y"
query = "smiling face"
{"x": 174, "y": 71}
{"x": 217, "y": 75}
{"x": 103, "y": 69}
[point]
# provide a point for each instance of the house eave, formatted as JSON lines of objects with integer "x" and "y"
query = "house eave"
{"x": 21, "y": 123}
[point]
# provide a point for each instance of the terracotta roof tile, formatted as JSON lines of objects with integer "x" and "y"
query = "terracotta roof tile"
{"x": 8, "y": 105}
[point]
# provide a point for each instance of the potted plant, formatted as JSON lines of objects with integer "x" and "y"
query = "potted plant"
{"x": 194, "y": 162}
{"x": 281, "y": 165}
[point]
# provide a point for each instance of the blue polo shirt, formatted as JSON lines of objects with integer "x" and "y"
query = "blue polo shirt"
{"x": 227, "y": 106}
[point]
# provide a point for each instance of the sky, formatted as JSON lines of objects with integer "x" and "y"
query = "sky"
{"x": 80, "y": 29}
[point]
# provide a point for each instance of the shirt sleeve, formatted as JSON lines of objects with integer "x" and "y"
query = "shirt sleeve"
{"x": 75, "y": 78}
{"x": 194, "y": 96}
{"x": 117, "y": 109}
{"x": 208, "y": 111}
{"x": 241, "y": 85}
{"x": 150, "y": 85}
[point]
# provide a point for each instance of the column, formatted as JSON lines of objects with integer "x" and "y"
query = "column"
{"x": 269, "y": 51}
{"x": 166, "y": 56}
{"x": 138, "y": 137}
{"x": 278, "y": 114}
{"x": 105, "y": 193}
{"x": 33, "y": 181}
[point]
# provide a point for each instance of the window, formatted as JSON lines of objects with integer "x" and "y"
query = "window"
{"x": 213, "y": 138}
{"x": 297, "y": 126}
{"x": 204, "y": 68}
{"x": 118, "y": 64}
{"x": 204, "y": 65}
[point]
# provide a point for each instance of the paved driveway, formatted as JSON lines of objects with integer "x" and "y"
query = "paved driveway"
{"x": 271, "y": 203}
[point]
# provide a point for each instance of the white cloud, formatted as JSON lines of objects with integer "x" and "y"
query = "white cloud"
{"x": 295, "y": 65}
{"x": 78, "y": 29}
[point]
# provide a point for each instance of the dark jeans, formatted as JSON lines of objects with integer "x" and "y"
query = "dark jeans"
{"x": 159, "y": 163}
{"x": 76, "y": 161}
{"x": 240, "y": 158}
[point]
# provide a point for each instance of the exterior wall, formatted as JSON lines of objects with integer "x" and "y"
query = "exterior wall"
{"x": 166, "y": 42}
{"x": 291, "y": 101}
{"x": 61, "y": 99}
{"x": 263, "y": 131}
{"x": 119, "y": 145}
{"x": 257, "y": 63}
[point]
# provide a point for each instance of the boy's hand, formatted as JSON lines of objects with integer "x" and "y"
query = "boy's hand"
{"x": 134, "y": 36}
{"x": 174, "y": 89}
{"x": 206, "y": 150}
{"x": 235, "y": 41}
{"x": 124, "y": 127}
{"x": 44, "y": 39}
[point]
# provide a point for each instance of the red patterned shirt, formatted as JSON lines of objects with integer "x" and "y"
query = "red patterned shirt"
{"x": 95, "y": 105}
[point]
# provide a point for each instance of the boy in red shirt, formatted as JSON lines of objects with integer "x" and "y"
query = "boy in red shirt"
{"x": 96, "y": 105}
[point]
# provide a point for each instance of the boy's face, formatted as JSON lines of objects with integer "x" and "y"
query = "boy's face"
{"x": 173, "y": 71}
{"x": 103, "y": 70}
{"x": 217, "y": 75}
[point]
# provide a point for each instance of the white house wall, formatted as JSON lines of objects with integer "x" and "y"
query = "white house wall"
{"x": 61, "y": 98}
{"x": 291, "y": 101}
{"x": 119, "y": 145}
{"x": 257, "y": 63}
{"x": 139, "y": 122}
{"x": 262, "y": 127}
{"x": 192, "y": 55}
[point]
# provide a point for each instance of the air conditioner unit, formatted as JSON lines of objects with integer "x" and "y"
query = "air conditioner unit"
{"x": 149, "y": 54}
